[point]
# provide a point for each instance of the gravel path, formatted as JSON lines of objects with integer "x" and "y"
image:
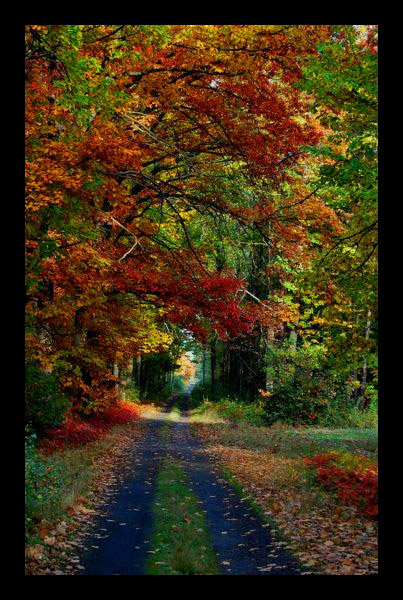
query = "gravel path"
{"x": 120, "y": 540}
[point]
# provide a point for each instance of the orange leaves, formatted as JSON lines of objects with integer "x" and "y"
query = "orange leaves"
{"x": 134, "y": 142}
{"x": 34, "y": 552}
{"x": 187, "y": 368}
{"x": 48, "y": 178}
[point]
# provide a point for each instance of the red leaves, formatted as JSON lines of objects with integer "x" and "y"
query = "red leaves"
{"x": 121, "y": 413}
{"x": 76, "y": 431}
{"x": 113, "y": 178}
{"x": 73, "y": 432}
{"x": 188, "y": 299}
{"x": 355, "y": 487}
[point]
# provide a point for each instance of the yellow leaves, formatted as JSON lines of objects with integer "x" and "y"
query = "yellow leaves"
{"x": 145, "y": 335}
{"x": 38, "y": 28}
{"x": 154, "y": 341}
{"x": 318, "y": 321}
{"x": 187, "y": 368}
{"x": 186, "y": 214}
{"x": 370, "y": 139}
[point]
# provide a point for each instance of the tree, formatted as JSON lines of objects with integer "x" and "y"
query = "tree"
{"x": 172, "y": 180}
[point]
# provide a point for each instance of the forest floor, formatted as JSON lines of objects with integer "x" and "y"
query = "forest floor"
{"x": 183, "y": 496}
{"x": 267, "y": 464}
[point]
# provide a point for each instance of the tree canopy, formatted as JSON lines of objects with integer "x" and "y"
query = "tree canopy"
{"x": 213, "y": 179}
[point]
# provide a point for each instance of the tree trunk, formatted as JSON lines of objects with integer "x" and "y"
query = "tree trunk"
{"x": 138, "y": 363}
{"x": 293, "y": 340}
{"x": 126, "y": 376}
{"x": 213, "y": 360}
{"x": 364, "y": 399}
{"x": 116, "y": 374}
{"x": 269, "y": 346}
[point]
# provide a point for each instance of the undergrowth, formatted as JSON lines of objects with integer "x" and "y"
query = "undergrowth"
{"x": 76, "y": 431}
{"x": 62, "y": 467}
{"x": 234, "y": 411}
{"x": 353, "y": 478}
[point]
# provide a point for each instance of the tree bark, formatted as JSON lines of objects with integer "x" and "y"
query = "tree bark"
{"x": 364, "y": 399}
{"x": 116, "y": 373}
{"x": 126, "y": 376}
{"x": 293, "y": 340}
{"x": 213, "y": 360}
{"x": 138, "y": 364}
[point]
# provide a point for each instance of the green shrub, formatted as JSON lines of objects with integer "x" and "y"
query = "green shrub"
{"x": 345, "y": 413}
{"x": 364, "y": 419}
{"x": 206, "y": 392}
{"x": 237, "y": 411}
{"x": 45, "y": 405}
{"x": 131, "y": 393}
{"x": 302, "y": 390}
{"x": 43, "y": 484}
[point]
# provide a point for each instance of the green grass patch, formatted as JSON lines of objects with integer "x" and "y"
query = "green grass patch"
{"x": 165, "y": 430}
{"x": 181, "y": 543}
{"x": 234, "y": 411}
{"x": 294, "y": 441}
{"x": 342, "y": 435}
{"x": 175, "y": 413}
{"x": 322, "y": 439}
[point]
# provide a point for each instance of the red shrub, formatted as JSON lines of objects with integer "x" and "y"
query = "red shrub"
{"x": 355, "y": 487}
{"x": 120, "y": 413}
{"x": 76, "y": 431}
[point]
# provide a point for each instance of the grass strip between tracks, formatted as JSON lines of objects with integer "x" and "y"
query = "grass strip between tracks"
{"x": 181, "y": 543}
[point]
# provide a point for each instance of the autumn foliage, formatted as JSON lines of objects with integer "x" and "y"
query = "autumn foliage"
{"x": 356, "y": 486}
{"x": 140, "y": 139}
{"x": 76, "y": 431}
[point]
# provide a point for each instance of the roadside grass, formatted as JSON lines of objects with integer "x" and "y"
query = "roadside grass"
{"x": 181, "y": 543}
{"x": 267, "y": 463}
{"x": 205, "y": 414}
{"x": 81, "y": 466}
{"x": 242, "y": 425}
{"x": 206, "y": 417}
{"x": 356, "y": 439}
{"x": 234, "y": 411}
{"x": 80, "y": 471}
{"x": 291, "y": 441}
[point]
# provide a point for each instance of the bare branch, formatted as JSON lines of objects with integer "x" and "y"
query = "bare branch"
{"x": 132, "y": 248}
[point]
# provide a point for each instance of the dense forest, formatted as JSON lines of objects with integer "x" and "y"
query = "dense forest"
{"x": 209, "y": 189}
